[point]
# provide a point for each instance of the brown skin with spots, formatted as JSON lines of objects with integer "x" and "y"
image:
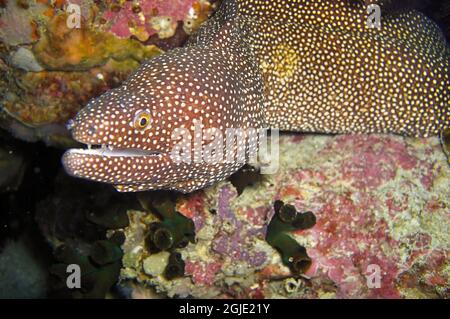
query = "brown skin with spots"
{"x": 136, "y": 121}
{"x": 310, "y": 66}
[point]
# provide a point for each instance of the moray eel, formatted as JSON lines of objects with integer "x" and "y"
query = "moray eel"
{"x": 296, "y": 65}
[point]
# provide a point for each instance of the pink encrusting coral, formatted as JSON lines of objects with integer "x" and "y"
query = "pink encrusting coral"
{"x": 202, "y": 273}
{"x": 373, "y": 161}
{"x": 372, "y": 189}
{"x": 382, "y": 231}
{"x": 193, "y": 208}
{"x": 135, "y": 17}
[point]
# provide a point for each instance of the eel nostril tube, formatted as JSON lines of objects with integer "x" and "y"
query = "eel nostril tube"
{"x": 70, "y": 124}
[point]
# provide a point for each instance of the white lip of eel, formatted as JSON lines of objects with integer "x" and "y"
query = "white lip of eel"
{"x": 107, "y": 150}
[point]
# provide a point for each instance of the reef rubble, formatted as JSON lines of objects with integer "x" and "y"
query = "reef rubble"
{"x": 382, "y": 208}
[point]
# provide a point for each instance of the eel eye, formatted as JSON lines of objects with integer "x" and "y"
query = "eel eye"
{"x": 142, "y": 120}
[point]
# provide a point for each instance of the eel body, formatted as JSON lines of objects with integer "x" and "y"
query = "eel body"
{"x": 297, "y": 65}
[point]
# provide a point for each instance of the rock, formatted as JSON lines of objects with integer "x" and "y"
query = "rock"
{"x": 155, "y": 264}
{"x": 381, "y": 204}
{"x": 24, "y": 59}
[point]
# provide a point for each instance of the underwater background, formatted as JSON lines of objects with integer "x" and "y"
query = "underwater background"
{"x": 339, "y": 207}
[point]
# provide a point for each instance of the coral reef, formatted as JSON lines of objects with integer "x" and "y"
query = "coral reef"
{"x": 381, "y": 205}
{"x": 51, "y": 67}
{"x": 144, "y": 19}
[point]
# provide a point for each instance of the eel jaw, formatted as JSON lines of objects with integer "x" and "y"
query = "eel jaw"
{"x": 115, "y": 165}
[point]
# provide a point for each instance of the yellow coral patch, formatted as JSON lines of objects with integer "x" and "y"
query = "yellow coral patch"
{"x": 66, "y": 49}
